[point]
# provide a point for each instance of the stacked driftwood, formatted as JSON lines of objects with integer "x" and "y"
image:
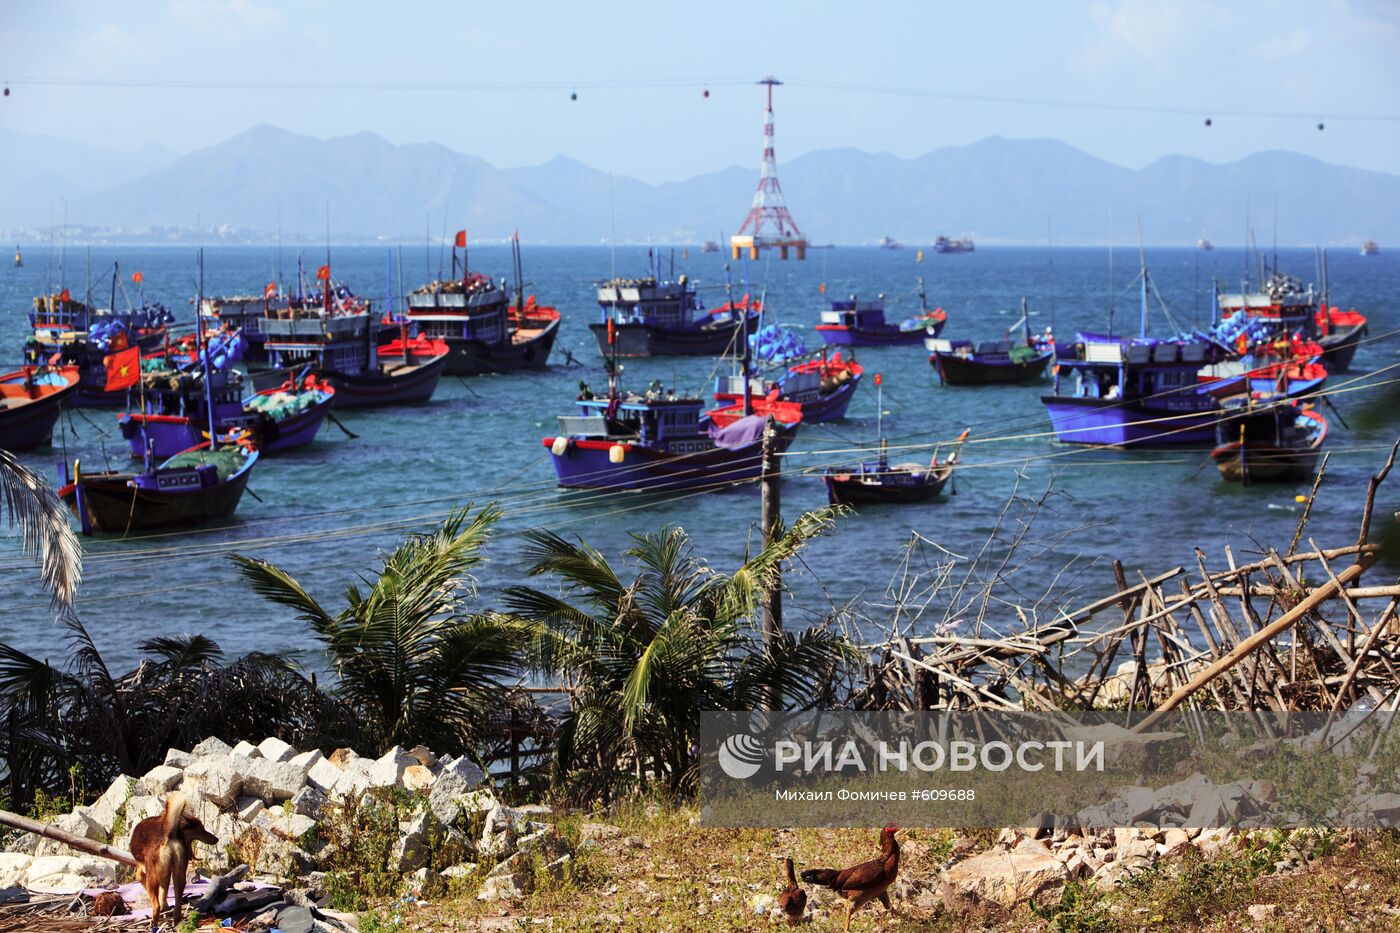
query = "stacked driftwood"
{"x": 1298, "y": 629}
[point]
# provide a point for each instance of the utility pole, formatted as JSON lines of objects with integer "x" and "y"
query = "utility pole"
{"x": 770, "y": 517}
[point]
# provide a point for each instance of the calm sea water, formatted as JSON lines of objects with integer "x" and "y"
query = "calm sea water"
{"x": 325, "y": 514}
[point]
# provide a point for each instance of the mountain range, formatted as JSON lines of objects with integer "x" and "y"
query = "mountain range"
{"x": 1002, "y": 190}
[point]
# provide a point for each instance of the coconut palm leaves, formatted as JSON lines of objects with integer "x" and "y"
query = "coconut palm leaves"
{"x": 34, "y": 508}
{"x": 406, "y": 651}
{"x": 644, "y": 658}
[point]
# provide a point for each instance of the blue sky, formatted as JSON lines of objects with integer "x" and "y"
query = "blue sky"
{"x": 1323, "y": 59}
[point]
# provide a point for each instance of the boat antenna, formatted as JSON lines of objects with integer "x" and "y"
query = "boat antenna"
{"x": 427, "y": 245}
{"x": 278, "y": 270}
{"x": 328, "y": 233}
{"x": 880, "y": 411}
{"x": 1248, "y": 236}
{"x": 1050, "y": 254}
{"x": 1142, "y": 274}
{"x": 1110, "y": 271}
{"x": 199, "y": 342}
{"x": 519, "y": 278}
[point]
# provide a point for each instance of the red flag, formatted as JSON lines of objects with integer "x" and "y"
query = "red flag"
{"x": 822, "y": 288}
{"x": 63, "y": 295}
{"x": 461, "y": 241}
{"x": 323, "y": 274}
{"x": 136, "y": 278}
{"x": 879, "y": 378}
{"x": 271, "y": 290}
{"x": 123, "y": 369}
{"x": 611, "y": 332}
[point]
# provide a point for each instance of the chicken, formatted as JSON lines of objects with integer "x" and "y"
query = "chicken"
{"x": 863, "y": 883}
{"x": 793, "y": 900}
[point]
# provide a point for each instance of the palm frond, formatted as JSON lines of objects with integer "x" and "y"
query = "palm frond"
{"x": 35, "y": 509}
{"x": 275, "y": 584}
{"x": 183, "y": 651}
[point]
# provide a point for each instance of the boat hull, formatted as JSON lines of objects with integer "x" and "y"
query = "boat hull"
{"x": 848, "y": 489}
{"x": 636, "y": 339}
{"x": 1265, "y": 463}
{"x": 297, "y": 431}
{"x": 30, "y": 426}
{"x": 839, "y": 335}
{"x": 113, "y": 507}
{"x": 586, "y": 464}
{"x": 955, "y": 370}
{"x": 468, "y": 357}
{"x": 1121, "y": 424}
{"x": 391, "y": 384}
{"x": 1339, "y": 347}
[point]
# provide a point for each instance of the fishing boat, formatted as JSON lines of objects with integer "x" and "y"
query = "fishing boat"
{"x": 193, "y": 487}
{"x": 889, "y": 242}
{"x": 31, "y": 399}
{"x": 1369, "y": 248}
{"x": 340, "y": 339}
{"x": 821, "y": 386}
{"x": 68, "y": 332}
{"x": 245, "y": 313}
{"x": 19, "y": 259}
{"x": 1269, "y": 439}
{"x": 878, "y": 481}
{"x": 961, "y": 363}
{"x": 961, "y": 244}
{"x": 652, "y": 317}
{"x": 1283, "y": 307}
{"x": 1204, "y": 245}
{"x": 710, "y": 247}
{"x": 1291, "y": 368}
{"x": 290, "y": 415}
{"x": 485, "y": 328}
{"x": 858, "y": 322}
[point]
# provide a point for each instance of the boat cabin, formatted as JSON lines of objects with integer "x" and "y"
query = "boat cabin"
{"x": 471, "y": 309}
{"x": 648, "y": 300}
{"x": 671, "y": 424}
{"x": 343, "y": 343}
{"x": 856, "y": 314}
{"x": 1160, "y": 373}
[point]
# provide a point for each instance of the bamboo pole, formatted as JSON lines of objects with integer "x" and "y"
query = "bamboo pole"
{"x": 1260, "y": 638}
{"x": 90, "y": 846}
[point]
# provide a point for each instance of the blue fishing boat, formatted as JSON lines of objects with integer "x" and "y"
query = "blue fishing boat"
{"x": 68, "y": 332}
{"x": 1283, "y": 307}
{"x": 1133, "y": 391}
{"x": 860, "y": 322}
{"x": 487, "y": 328}
{"x": 1268, "y": 439}
{"x": 340, "y": 339}
{"x": 960, "y": 363}
{"x": 31, "y": 399}
{"x": 649, "y": 316}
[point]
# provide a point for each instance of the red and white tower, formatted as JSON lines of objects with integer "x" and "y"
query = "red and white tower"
{"x": 768, "y": 205}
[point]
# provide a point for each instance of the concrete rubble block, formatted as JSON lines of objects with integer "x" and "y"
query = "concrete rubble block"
{"x": 177, "y": 758}
{"x": 1208, "y": 810}
{"x": 1141, "y": 802}
{"x": 1025, "y": 873}
{"x": 62, "y": 874}
{"x": 290, "y": 826}
{"x": 245, "y": 750}
{"x": 274, "y": 749}
{"x": 1126, "y": 750}
{"x": 457, "y": 779}
{"x": 212, "y": 748}
{"x": 342, "y": 757}
{"x": 307, "y": 759}
{"x": 309, "y": 801}
{"x": 353, "y": 780}
{"x": 218, "y": 780}
{"x": 247, "y": 808}
{"x": 546, "y": 842}
{"x": 459, "y": 871}
{"x": 322, "y": 775}
{"x": 104, "y": 810}
{"x": 1385, "y": 808}
{"x": 503, "y": 888}
{"x": 160, "y": 780}
{"x": 416, "y": 778}
{"x": 14, "y": 869}
{"x": 388, "y": 769}
{"x": 273, "y": 781}
{"x": 410, "y": 851}
{"x": 1181, "y": 796}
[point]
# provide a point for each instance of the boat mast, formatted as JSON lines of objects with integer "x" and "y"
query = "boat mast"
{"x": 1142, "y": 276}
{"x": 199, "y": 342}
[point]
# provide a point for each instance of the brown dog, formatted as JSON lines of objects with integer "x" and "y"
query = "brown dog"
{"x": 163, "y": 847}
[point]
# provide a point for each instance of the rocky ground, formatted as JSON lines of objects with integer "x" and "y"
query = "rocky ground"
{"x": 420, "y": 842}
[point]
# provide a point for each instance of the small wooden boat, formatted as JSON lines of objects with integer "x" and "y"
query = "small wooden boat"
{"x": 879, "y": 481}
{"x": 1271, "y": 440}
{"x": 959, "y": 363}
{"x": 290, "y": 415}
{"x": 191, "y": 488}
{"x": 31, "y": 399}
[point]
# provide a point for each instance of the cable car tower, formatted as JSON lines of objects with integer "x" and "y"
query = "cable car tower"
{"x": 768, "y": 203}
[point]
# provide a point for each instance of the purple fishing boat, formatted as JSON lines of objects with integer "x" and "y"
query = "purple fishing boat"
{"x": 861, "y": 322}
{"x": 652, "y": 317}
{"x": 31, "y": 399}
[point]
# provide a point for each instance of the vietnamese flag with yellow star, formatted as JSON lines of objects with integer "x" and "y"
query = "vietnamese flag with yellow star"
{"x": 123, "y": 369}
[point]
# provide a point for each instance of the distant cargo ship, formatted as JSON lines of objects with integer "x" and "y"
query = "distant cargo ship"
{"x": 710, "y": 247}
{"x": 1204, "y": 245}
{"x": 889, "y": 242}
{"x": 1370, "y": 248}
{"x": 960, "y": 245}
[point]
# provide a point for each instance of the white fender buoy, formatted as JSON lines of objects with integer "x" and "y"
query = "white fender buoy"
{"x": 616, "y": 452}
{"x": 560, "y": 446}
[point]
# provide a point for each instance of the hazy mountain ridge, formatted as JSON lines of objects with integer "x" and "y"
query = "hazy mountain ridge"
{"x": 1003, "y": 191}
